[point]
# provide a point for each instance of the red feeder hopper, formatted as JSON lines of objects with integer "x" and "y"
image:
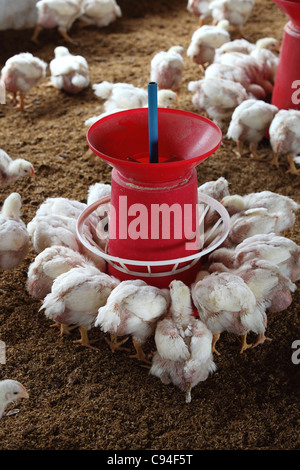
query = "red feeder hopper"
{"x": 154, "y": 211}
{"x": 286, "y": 92}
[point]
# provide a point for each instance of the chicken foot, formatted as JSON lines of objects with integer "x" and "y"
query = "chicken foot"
{"x": 244, "y": 344}
{"x": 292, "y": 168}
{"x": 115, "y": 344}
{"x": 261, "y": 338}
{"x": 84, "y": 339}
{"x": 64, "y": 329}
{"x": 140, "y": 355}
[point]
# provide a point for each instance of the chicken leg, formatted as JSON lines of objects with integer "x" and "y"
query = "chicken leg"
{"x": 216, "y": 338}
{"x": 84, "y": 340}
{"x": 244, "y": 344}
{"x": 115, "y": 344}
{"x": 261, "y": 338}
{"x": 64, "y": 329}
{"x": 292, "y": 168}
{"x": 140, "y": 355}
{"x": 36, "y": 32}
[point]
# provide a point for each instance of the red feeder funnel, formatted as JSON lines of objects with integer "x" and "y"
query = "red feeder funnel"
{"x": 286, "y": 92}
{"x": 154, "y": 206}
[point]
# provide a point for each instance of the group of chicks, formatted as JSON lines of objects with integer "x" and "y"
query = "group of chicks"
{"x": 235, "y": 91}
{"x": 251, "y": 275}
{"x": 22, "y": 71}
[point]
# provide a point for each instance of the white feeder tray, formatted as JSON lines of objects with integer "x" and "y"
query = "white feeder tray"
{"x": 88, "y": 235}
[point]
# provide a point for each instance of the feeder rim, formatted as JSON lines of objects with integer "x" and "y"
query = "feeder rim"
{"x": 225, "y": 218}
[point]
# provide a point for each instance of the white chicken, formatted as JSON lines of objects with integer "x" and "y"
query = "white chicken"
{"x": 10, "y": 390}
{"x": 285, "y": 138}
{"x": 133, "y": 308}
{"x": 47, "y": 231}
{"x": 14, "y": 237}
{"x": 258, "y": 72}
{"x": 282, "y": 251}
{"x": 69, "y": 72}
{"x": 75, "y": 298}
{"x": 100, "y": 12}
{"x": 250, "y": 222}
{"x": 120, "y": 95}
{"x": 271, "y": 288}
{"x": 17, "y": 14}
{"x": 165, "y": 99}
{"x": 97, "y": 191}
{"x": 166, "y": 68}
{"x": 218, "y": 98}
{"x": 59, "y": 14}
{"x": 235, "y": 74}
{"x": 216, "y": 189}
{"x": 11, "y": 170}
{"x": 225, "y": 303}
{"x": 237, "y": 12}
{"x": 282, "y": 206}
{"x": 205, "y": 40}
{"x": 200, "y": 8}
{"x": 249, "y": 123}
{"x": 247, "y": 47}
{"x": 48, "y": 265}
{"x": 184, "y": 344}
{"x": 61, "y": 206}
{"x": 20, "y": 73}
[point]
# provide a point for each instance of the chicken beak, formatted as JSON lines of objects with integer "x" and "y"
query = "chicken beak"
{"x": 25, "y": 393}
{"x": 32, "y": 172}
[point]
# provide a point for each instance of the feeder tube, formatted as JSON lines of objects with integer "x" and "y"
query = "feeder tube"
{"x": 152, "y": 122}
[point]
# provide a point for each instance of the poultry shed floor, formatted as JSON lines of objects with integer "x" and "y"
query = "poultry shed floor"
{"x": 82, "y": 399}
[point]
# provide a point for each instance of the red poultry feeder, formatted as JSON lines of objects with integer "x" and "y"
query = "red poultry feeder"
{"x": 286, "y": 92}
{"x": 155, "y": 217}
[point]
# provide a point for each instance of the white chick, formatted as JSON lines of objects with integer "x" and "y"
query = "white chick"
{"x": 283, "y": 206}
{"x": 75, "y": 298}
{"x": 200, "y": 8}
{"x": 10, "y": 390}
{"x": 225, "y": 303}
{"x": 218, "y": 98}
{"x": 166, "y": 68}
{"x": 205, "y": 40}
{"x": 97, "y": 191}
{"x": 69, "y": 72}
{"x": 237, "y": 12}
{"x": 12, "y": 170}
{"x": 20, "y": 73}
{"x": 57, "y": 13}
{"x": 282, "y": 251}
{"x": 284, "y": 134}
{"x": 271, "y": 288}
{"x": 14, "y": 237}
{"x": 216, "y": 189}
{"x": 235, "y": 74}
{"x": 249, "y": 123}
{"x": 48, "y": 265}
{"x": 184, "y": 344}
{"x": 165, "y": 99}
{"x": 100, "y": 12}
{"x": 246, "y": 47}
{"x": 61, "y": 206}
{"x": 250, "y": 222}
{"x": 46, "y": 231}
{"x": 257, "y": 73}
{"x": 120, "y": 95}
{"x": 133, "y": 308}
